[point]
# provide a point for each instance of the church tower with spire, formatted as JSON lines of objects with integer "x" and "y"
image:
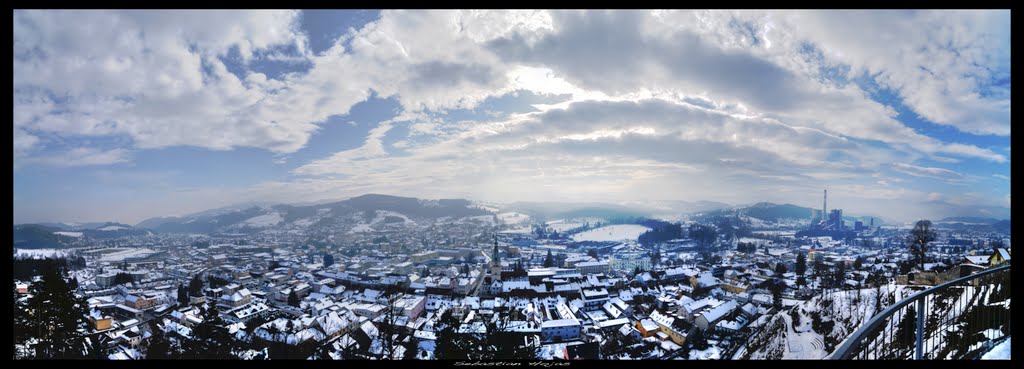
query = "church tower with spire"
{"x": 495, "y": 262}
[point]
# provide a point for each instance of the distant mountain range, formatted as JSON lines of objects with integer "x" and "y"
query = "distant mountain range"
{"x": 58, "y": 235}
{"x": 978, "y": 224}
{"x": 374, "y": 211}
{"x": 774, "y": 213}
{"x": 364, "y": 209}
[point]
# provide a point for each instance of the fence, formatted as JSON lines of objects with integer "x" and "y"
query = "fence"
{"x": 959, "y": 319}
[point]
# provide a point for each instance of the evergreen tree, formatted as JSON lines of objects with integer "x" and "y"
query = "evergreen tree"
{"x": 449, "y": 344}
{"x": 210, "y": 338}
{"x": 656, "y": 256}
{"x": 55, "y": 316}
{"x": 592, "y": 253}
{"x": 195, "y": 287}
{"x": 500, "y": 343}
{"x": 780, "y": 269}
{"x": 328, "y": 260}
{"x": 699, "y": 341}
{"x": 159, "y": 347}
{"x": 840, "y": 275}
{"x": 293, "y": 299}
{"x": 776, "y": 289}
{"x": 122, "y": 278}
{"x": 859, "y": 262}
{"x": 801, "y": 264}
{"x": 182, "y": 295}
{"x": 549, "y": 260}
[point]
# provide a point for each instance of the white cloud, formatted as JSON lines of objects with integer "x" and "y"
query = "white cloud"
{"x": 929, "y": 172}
{"x": 688, "y": 103}
{"x": 82, "y": 156}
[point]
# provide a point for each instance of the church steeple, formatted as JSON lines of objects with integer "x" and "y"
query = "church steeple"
{"x": 495, "y": 262}
{"x": 495, "y": 256}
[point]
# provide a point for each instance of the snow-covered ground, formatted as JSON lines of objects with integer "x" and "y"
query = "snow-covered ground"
{"x": 562, "y": 227}
{"x": 39, "y": 253}
{"x": 126, "y": 253}
{"x": 361, "y": 228}
{"x": 513, "y": 217}
{"x": 523, "y": 230}
{"x": 69, "y": 234}
{"x": 305, "y": 222}
{"x": 383, "y": 214}
{"x": 264, "y": 220}
{"x": 711, "y": 353}
{"x": 111, "y": 228}
{"x": 618, "y": 232}
{"x": 486, "y": 219}
{"x": 1000, "y": 352}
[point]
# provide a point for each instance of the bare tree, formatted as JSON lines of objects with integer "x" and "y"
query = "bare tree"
{"x": 919, "y": 238}
{"x": 387, "y": 327}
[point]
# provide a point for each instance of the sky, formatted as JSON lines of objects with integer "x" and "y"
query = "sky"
{"x": 126, "y": 115}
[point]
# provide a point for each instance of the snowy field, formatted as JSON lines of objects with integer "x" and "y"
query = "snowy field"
{"x": 1000, "y": 352}
{"x": 382, "y": 214}
{"x": 361, "y": 228}
{"x": 39, "y": 253}
{"x": 486, "y": 219}
{"x": 264, "y": 220}
{"x": 69, "y": 234}
{"x": 126, "y": 253}
{"x": 524, "y": 230}
{"x": 562, "y": 227}
{"x": 513, "y": 217}
{"x": 618, "y": 232}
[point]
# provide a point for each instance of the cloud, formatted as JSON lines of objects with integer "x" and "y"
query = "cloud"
{"x": 1000, "y": 176}
{"x": 928, "y": 172}
{"x": 619, "y": 52}
{"x": 695, "y": 104}
{"x": 946, "y": 65}
{"x": 83, "y": 156}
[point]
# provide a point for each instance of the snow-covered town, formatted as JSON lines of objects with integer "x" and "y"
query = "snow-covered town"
{"x": 511, "y": 187}
{"x": 381, "y": 284}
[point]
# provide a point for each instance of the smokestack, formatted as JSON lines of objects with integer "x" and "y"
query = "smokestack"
{"x": 824, "y": 208}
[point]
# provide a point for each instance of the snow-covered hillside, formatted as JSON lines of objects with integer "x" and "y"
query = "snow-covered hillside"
{"x": 39, "y": 253}
{"x": 813, "y": 329}
{"x": 111, "y": 228}
{"x": 513, "y": 217}
{"x": 560, "y": 227}
{"x": 821, "y": 323}
{"x": 69, "y": 234}
{"x": 265, "y": 220}
{"x": 618, "y": 232}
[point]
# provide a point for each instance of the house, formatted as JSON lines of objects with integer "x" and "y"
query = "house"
{"x": 100, "y": 322}
{"x": 558, "y": 330}
{"x": 999, "y": 256}
{"x": 976, "y": 260}
{"x": 710, "y": 317}
{"x": 139, "y": 302}
{"x": 236, "y": 298}
{"x": 647, "y": 328}
{"x": 593, "y": 298}
{"x": 672, "y": 328}
{"x": 704, "y": 280}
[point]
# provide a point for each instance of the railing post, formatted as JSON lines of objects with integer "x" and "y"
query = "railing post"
{"x": 920, "y": 330}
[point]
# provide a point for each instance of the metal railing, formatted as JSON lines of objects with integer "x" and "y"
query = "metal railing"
{"x": 959, "y": 319}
